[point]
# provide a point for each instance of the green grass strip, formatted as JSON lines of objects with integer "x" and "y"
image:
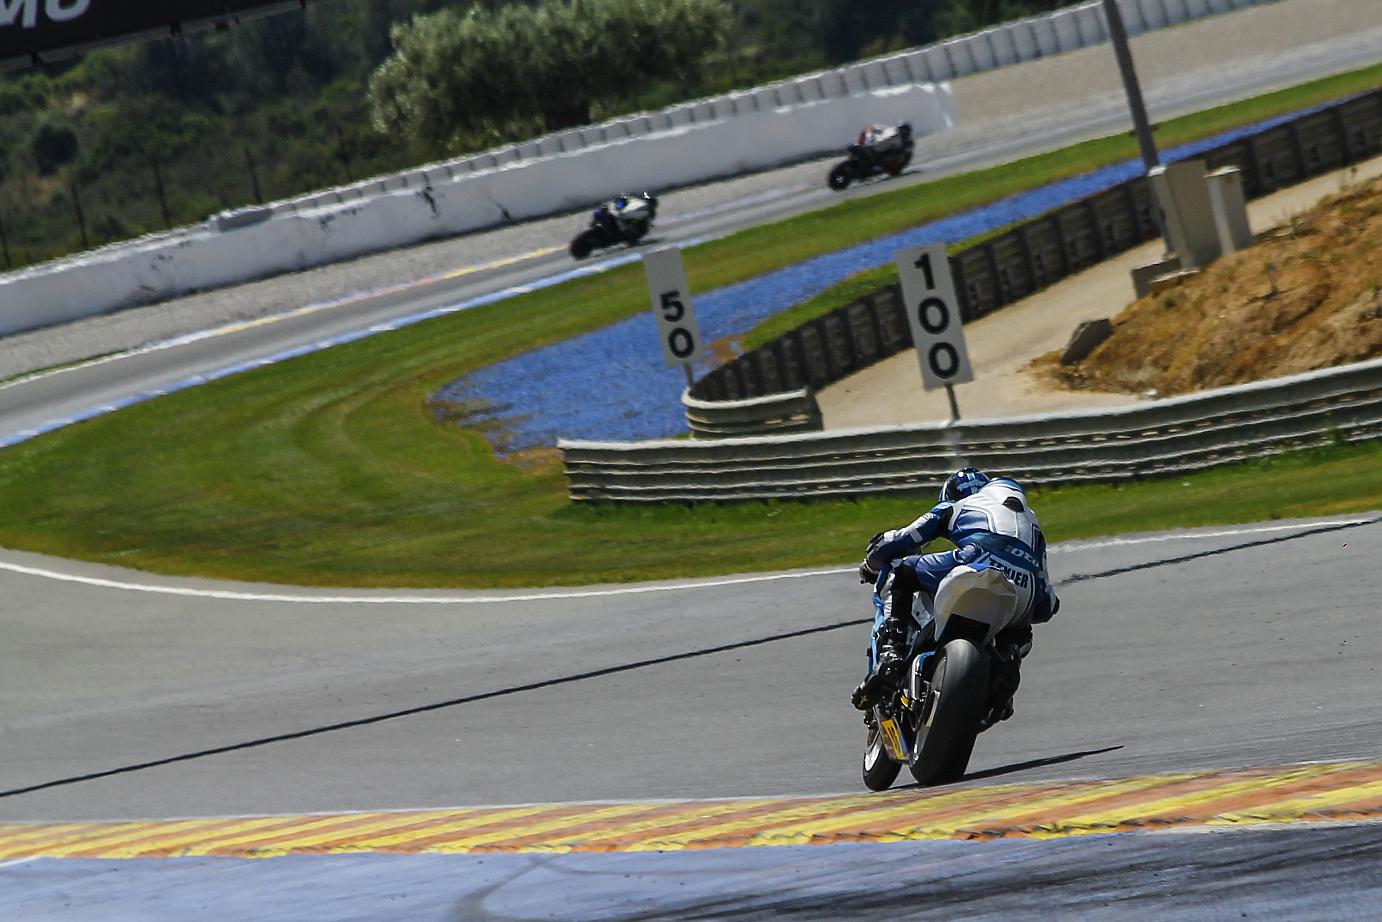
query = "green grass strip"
{"x": 331, "y": 470}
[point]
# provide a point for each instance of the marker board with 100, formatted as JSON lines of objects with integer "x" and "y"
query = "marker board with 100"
{"x": 933, "y": 314}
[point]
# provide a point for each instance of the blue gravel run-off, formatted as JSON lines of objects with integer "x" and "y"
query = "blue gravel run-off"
{"x": 612, "y": 384}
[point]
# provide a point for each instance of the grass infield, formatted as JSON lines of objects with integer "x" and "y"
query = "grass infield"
{"x": 331, "y": 470}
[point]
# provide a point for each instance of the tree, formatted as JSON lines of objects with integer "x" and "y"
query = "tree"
{"x": 504, "y": 69}
{"x": 957, "y": 16}
{"x": 54, "y": 146}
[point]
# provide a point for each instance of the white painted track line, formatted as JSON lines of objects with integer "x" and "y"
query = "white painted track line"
{"x": 683, "y": 586}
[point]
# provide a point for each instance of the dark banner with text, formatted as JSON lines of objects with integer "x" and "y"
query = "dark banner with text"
{"x": 46, "y": 29}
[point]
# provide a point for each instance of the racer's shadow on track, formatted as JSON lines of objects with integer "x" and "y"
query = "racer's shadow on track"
{"x": 1038, "y": 763}
{"x": 1032, "y": 763}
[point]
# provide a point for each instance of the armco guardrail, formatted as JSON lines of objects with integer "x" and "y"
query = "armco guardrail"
{"x": 1037, "y": 253}
{"x": 795, "y": 411}
{"x": 1175, "y": 435}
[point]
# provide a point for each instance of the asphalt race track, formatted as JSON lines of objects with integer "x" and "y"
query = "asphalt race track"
{"x": 1200, "y": 669}
{"x": 1252, "y": 646}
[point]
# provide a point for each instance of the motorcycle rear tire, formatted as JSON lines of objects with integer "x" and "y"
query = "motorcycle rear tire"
{"x": 896, "y": 167}
{"x": 841, "y": 176}
{"x": 582, "y": 246}
{"x": 880, "y": 769}
{"x": 959, "y": 693}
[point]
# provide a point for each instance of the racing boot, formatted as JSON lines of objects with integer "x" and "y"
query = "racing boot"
{"x": 1011, "y": 648}
{"x": 887, "y": 672}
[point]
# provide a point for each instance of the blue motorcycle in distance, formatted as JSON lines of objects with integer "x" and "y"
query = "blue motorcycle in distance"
{"x": 623, "y": 219}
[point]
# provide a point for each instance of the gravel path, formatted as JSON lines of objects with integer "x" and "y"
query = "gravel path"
{"x": 1291, "y": 36}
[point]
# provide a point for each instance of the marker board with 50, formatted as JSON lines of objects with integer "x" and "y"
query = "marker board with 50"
{"x": 677, "y": 328}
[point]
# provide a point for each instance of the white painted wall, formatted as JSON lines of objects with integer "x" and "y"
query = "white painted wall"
{"x": 169, "y": 266}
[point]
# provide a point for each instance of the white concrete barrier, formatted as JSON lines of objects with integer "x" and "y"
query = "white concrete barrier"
{"x": 416, "y": 209}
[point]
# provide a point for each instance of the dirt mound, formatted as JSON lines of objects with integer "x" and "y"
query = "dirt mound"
{"x": 1309, "y": 296}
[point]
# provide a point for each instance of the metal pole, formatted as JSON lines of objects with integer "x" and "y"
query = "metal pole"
{"x": 1118, "y": 36}
{"x": 162, "y": 196}
{"x": 690, "y": 378}
{"x": 254, "y": 177}
{"x": 954, "y": 407}
{"x": 81, "y": 217}
{"x": 5, "y": 244}
{"x": 343, "y": 152}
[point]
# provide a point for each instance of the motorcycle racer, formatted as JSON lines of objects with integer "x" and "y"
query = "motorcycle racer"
{"x": 615, "y": 214}
{"x": 879, "y": 149}
{"x": 988, "y": 520}
{"x": 876, "y": 139}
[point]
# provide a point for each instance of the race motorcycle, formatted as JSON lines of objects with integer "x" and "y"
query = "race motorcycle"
{"x": 622, "y": 220}
{"x": 887, "y": 152}
{"x": 952, "y": 689}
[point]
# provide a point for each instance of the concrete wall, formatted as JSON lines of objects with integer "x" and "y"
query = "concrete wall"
{"x": 168, "y": 266}
{"x": 1064, "y": 30}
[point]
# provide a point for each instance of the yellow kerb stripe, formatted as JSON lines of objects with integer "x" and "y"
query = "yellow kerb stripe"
{"x": 704, "y": 811}
{"x": 99, "y": 837}
{"x": 462, "y": 842}
{"x": 19, "y": 835}
{"x": 357, "y": 825}
{"x": 991, "y": 819}
{"x": 1041, "y": 810}
{"x": 812, "y": 815}
{"x": 1298, "y": 806}
{"x": 871, "y": 821}
{"x": 1180, "y": 804}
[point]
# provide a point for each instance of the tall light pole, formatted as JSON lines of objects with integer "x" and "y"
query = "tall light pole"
{"x": 1118, "y": 35}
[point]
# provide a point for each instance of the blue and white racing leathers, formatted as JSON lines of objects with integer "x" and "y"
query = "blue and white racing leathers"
{"x": 995, "y": 526}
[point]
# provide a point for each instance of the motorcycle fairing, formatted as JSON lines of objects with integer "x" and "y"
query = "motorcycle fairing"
{"x": 979, "y": 592}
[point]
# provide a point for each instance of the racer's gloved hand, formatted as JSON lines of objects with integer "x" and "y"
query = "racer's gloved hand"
{"x": 867, "y": 574}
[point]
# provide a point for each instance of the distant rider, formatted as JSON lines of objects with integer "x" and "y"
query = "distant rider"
{"x": 876, "y": 141}
{"x": 613, "y": 215}
{"x": 988, "y": 520}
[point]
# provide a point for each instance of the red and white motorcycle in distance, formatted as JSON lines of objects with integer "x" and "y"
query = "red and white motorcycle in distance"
{"x": 880, "y": 150}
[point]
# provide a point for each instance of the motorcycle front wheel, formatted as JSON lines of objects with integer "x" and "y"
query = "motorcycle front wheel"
{"x": 582, "y": 245}
{"x": 840, "y": 176}
{"x": 948, "y": 721}
{"x": 879, "y": 768}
